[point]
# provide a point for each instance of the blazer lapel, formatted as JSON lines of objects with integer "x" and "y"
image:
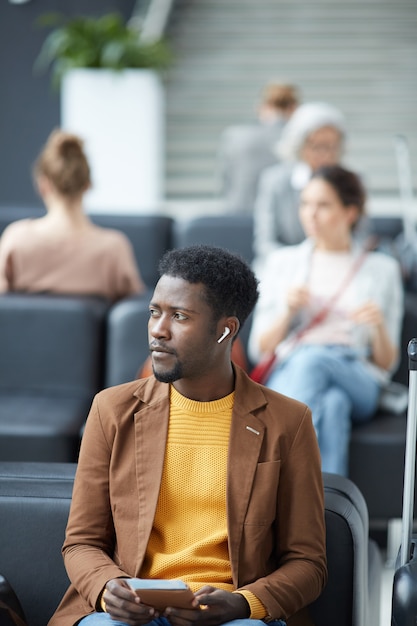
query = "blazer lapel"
{"x": 246, "y": 437}
{"x": 151, "y": 427}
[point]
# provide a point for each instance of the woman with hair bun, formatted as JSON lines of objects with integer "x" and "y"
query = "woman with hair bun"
{"x": 331, "y": 312}
{"x": 64, "y": 252}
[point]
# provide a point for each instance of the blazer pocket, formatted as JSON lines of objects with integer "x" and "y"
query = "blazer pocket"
{"x": 263, "y": 500}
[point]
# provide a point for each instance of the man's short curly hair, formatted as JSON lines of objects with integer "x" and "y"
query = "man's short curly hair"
{"x": 231, "y": 287}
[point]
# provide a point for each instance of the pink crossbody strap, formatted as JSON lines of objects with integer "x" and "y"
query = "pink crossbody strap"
{"x": 322, "y": 314}
{"x": 261, "y": 372}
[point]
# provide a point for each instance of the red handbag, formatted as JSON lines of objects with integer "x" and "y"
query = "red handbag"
{"x": 261, "y": 371}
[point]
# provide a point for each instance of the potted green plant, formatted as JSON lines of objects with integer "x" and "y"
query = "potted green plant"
{"x": 112, "y": 95}
{"x": 106, "y": 42}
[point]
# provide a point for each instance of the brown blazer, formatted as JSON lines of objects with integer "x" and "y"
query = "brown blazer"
{"x": 275, "y": 508}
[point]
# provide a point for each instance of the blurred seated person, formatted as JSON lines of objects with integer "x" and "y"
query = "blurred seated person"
{"x": 246, "y": 150}
{"x": 64, "y": 252}
{"x": 313, "y": 137}
{"x": 331, "y": 311}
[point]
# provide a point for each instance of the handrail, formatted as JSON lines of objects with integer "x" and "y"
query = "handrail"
{"x": 406, "y": 187}
{"x": 151, "y": 18}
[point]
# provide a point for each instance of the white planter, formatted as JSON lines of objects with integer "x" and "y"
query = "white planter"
{"x": 121, "y": 117}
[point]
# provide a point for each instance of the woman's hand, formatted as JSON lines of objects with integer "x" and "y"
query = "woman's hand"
{"x": 124, "y": 605}
{"x": 368, "y": 313}
{"x": 216, "y": 607}
{"x": 384, "y": 353}
{"x": 297, "y": 299}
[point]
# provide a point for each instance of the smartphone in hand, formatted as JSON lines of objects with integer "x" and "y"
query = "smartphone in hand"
{"x": 160, "y": 593}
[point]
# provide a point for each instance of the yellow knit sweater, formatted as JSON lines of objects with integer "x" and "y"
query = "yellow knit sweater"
{"x": 189, "y": 536}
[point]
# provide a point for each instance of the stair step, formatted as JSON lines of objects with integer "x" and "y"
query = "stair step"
{"x": 361, "y": 56}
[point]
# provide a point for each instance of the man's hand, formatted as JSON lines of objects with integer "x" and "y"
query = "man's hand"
{"x": 124, "y": 605}
{"x": 216, "y": 607}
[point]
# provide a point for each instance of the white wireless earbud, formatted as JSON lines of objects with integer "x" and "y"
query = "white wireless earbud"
{"x": 226, "y": 332}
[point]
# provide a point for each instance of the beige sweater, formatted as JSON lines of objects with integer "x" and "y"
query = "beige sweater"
{"x": 93, "y": 261}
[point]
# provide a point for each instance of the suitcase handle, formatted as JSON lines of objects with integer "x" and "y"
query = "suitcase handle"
{"x": 412, "y": 354}
{"x": 410, "y": 455}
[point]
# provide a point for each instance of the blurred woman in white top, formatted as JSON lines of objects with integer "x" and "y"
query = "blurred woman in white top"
{"x": 332, "y": 313}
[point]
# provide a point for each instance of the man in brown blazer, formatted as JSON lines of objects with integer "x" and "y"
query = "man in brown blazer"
{"x": 196, "y": 473}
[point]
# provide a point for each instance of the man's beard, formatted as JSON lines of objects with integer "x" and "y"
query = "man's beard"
{"x": 169, "y": 376}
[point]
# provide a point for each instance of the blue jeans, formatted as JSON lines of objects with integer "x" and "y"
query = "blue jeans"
{"x": 103, "y": 619}
{"x": 337, "y": 387}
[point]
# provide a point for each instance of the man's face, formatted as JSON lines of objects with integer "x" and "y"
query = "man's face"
{"x": 182, "y": 333}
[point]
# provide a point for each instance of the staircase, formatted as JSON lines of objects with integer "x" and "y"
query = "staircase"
{"x": 360, "y": 55}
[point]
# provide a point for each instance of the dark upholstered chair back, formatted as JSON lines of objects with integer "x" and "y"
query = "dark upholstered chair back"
{"x": 34, "y": 506}
{"x": 150, "y": 236}
{"x": 51, "y": 363}
{"x": 127, "y": 340}
{"x": 352, "y": 594}
{"x": 234, "y": 232}
{"x": 44, "y": 336}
